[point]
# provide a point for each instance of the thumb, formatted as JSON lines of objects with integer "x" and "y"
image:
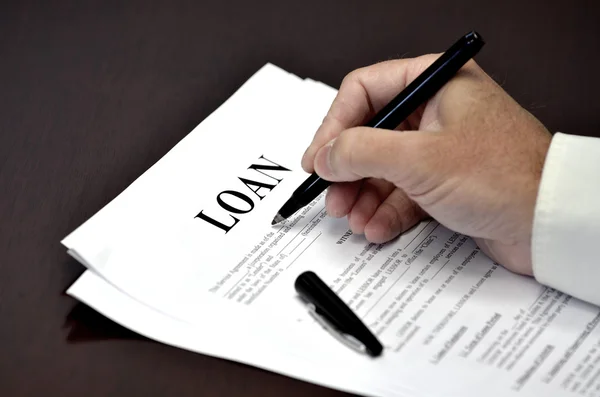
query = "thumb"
{"x": 412, "y": 160}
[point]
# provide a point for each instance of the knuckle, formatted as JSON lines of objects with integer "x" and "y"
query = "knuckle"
{"x": 357, "y": 76}
{"x": 352, "y": 76}
{"x": 332, "y": 121}
{"x": 392, "y": 213}
{"x": 328, "y": 130}
{"x": 415, "y": 213}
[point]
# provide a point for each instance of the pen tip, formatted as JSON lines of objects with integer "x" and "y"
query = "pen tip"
{"x": 278, "y": 218}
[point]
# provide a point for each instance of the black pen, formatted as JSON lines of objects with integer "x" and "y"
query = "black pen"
{"x": 415, "y": 94}
{"x": 335, "y": 316}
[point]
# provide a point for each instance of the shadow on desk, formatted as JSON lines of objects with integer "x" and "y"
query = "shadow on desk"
{"x": 87, "y": 325}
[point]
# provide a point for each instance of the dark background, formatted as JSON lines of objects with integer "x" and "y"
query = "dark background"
{"x": 92, "y": 93}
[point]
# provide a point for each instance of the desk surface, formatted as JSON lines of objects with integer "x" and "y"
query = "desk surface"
{"x": 93, "y": 93}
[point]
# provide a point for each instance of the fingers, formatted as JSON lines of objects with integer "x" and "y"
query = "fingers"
{"x": 377, "y": 209}
{"x": 341, "y": 197}
{"x": 372, "y": 193}
{"x": 361, "y": 95}
{"x": 395, "y": 215}
{"x": 404, "y": 158}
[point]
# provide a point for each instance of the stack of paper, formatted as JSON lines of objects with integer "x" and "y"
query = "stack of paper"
{"x": 186, "y": 255}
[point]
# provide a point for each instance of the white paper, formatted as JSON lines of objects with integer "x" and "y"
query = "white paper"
{"x": 452, "y": 321}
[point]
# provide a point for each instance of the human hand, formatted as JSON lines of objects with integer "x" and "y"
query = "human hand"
{"x": 471, "y": 158}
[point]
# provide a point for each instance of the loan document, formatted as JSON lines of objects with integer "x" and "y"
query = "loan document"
{"x": 190, "y": 241}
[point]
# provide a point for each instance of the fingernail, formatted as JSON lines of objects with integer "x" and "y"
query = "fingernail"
{"x": 327, "y": 154}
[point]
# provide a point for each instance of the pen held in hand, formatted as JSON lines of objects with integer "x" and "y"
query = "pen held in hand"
{"x": 425, "y": 86}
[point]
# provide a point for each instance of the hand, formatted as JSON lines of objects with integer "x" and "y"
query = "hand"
{"x": 471, "y": 158}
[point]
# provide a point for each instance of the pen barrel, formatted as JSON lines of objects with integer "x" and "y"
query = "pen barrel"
{"x": 428, "y": 83}
{"x": 309, "y": 190}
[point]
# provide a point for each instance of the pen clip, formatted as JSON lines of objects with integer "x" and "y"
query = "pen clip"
{"x": 337, "y": 333}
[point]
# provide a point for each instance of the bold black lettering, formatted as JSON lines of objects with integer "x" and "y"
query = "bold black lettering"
{"x": 231, "y": 208}
{"x": 217, "y": 223}
{"x": 259, "y": 186}
{"x": 229, "y": 203}
{"x": 276, "y": 167}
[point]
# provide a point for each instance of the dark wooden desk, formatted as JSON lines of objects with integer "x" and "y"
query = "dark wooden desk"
{"x": 93, "y": 93}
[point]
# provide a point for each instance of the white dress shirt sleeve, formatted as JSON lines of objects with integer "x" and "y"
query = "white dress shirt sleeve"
{"x": 566, "y": 229}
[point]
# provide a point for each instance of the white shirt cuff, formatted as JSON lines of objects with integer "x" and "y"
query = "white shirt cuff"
{"x": 566, "y": 229}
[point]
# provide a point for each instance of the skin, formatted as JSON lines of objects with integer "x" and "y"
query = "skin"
{"x": 471, "y": 158}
